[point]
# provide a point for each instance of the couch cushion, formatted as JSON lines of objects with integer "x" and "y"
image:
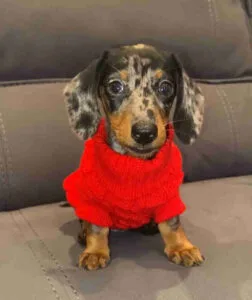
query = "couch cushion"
{"x": 38, "y": 149}
{"x": 38, "y": 252}
{"x": 41, "y": 39}
{"x": 224, "y": 146}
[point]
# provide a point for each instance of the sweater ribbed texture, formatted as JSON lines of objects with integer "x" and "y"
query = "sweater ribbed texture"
{"x": 120, "y": 191}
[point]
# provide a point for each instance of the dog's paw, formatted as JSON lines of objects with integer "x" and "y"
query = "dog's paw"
{"x": 93, "y": 261}
{"x": 187, "y": 257}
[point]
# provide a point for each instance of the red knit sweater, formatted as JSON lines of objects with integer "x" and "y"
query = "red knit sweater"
{"x": 119, "y": 191}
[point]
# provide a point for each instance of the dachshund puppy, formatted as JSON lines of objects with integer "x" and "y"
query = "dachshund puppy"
{"x": 134, "y": 88}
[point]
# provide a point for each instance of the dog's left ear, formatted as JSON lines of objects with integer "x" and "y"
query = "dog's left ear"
{"x": 82, "y": 100}
{"x": 189, "y": 110}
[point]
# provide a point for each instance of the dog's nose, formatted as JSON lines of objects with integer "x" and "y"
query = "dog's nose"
{"x": 144, "y": 133}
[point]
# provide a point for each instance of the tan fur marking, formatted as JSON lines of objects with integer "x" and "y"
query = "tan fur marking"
{"x": 139, "y": 46}
{"x": 121, "y": 126}
{"x": 178, "y": 248}
{"x": 124, "y": 75}
{"x": 159, "y": 74}
{"x": 70, "y": 86}
{"x": 97, "y": 253}
{"x": 160, "y": 122}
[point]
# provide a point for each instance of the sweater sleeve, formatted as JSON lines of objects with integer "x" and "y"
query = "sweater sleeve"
{"x": 85, "y": 208}
{"x": 94, "y": 215}
{"x": 172, "y": 208}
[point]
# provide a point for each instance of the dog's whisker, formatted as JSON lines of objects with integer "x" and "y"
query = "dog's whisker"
{"x": 171, "y": 69}
{"x": 112, "y": 66}
{"x": 177, "y": 121}
{"x": 183, "y": 133}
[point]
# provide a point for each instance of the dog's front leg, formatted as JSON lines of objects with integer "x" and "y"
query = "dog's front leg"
{"x": 96, "y": 254}
{"x": 178, "y": 248}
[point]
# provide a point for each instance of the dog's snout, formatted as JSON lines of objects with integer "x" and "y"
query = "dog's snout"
{"x": 144, "y": 133}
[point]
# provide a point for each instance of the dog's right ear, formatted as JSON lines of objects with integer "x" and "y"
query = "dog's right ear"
{"x": 82, "y": 100}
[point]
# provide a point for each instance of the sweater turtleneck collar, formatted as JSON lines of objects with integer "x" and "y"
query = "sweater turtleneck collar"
{"x": 127, "y": 172}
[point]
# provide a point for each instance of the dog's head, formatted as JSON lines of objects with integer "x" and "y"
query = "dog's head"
{"x": 135, "y": 87}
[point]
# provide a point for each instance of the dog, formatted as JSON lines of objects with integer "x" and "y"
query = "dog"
{"x": 135, "y": 88}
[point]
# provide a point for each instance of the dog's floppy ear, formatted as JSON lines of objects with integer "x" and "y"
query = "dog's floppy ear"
{"x": 189, "y": 110}
{"x": 81, "y": 99}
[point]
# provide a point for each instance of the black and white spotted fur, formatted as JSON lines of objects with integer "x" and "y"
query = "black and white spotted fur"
{"x": 85, "y": 104}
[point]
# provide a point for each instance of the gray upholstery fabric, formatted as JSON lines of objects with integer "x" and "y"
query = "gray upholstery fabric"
{"x": 38, "y": 253}
{"x": 38, "y": 149}
{"x": 224, "y": 146}
{"x": 42, "y": 39}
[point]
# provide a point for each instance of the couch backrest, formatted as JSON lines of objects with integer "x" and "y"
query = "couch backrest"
{"x": 55, "y": 39}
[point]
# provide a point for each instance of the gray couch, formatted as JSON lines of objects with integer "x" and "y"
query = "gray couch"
{"x": 42, "y": 44}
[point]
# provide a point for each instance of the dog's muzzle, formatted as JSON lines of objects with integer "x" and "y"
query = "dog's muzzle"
{"x": 144, "y": 133}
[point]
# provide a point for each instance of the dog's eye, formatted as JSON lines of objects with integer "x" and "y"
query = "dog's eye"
{"x": 165, "y": 88}
{"x": 115, "y": 87}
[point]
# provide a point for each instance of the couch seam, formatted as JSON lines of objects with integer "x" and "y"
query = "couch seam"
{"x": 238, "y": 80}
{"x": 211, "y": 13}
{"x": 6, "y": 84}
{"x": 7, "y": 168}
{"x": 232, "y": 115}
{"x": 229, "y": 117}
{"x": 53, "y": 258}
{"x": 2, "y": 169}
{"x": 57, "y": 296}
{"x": 216, "y": 18}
